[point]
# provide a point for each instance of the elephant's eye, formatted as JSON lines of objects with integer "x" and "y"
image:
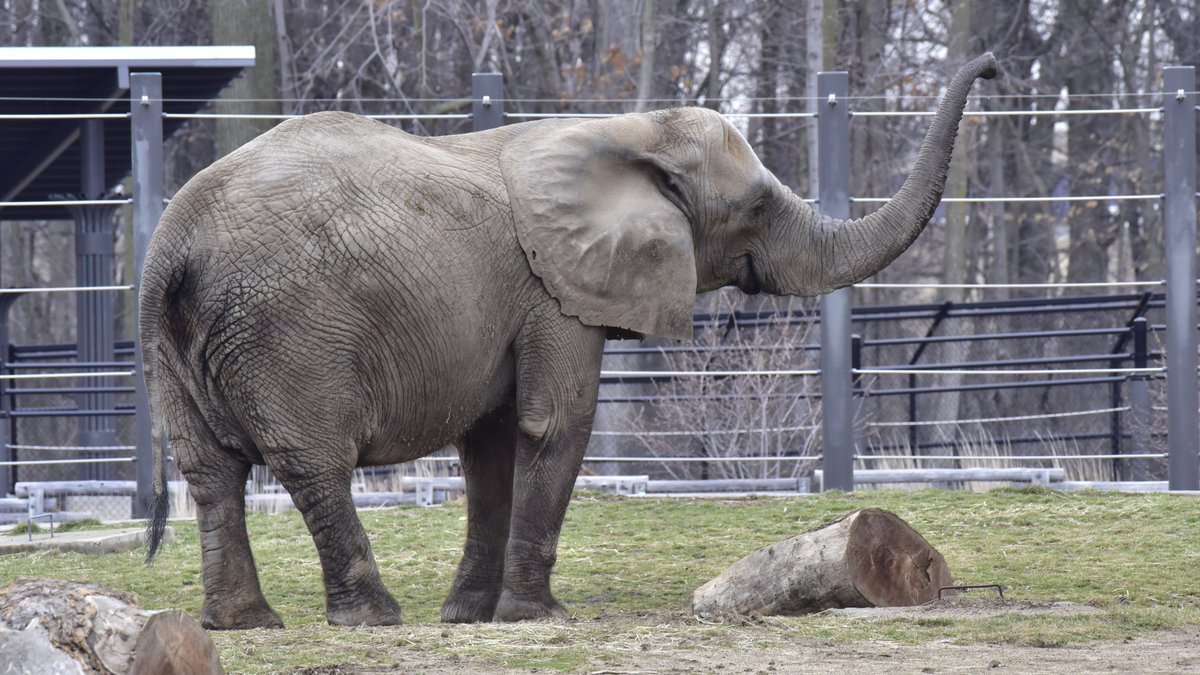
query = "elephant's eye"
{"x": 671, "y": 187}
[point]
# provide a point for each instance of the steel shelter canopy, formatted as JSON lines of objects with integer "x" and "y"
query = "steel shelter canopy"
{"x": 41, "y": 157}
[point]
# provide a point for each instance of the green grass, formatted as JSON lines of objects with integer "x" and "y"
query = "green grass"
{"x": 627, "y": 569}
{"x": 69, "y": 526}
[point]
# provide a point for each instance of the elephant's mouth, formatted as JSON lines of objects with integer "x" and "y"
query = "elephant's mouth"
{"x": 748, "y": 284}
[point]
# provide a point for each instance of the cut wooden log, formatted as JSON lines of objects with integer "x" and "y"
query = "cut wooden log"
{"x": 868, "y": 558}
{"x": 104, "y": 630}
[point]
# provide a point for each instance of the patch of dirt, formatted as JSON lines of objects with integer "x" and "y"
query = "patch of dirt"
{"x": 637, "y": 646}
{"x": 962, "y": 608}
{"x": 1167, "y": 652}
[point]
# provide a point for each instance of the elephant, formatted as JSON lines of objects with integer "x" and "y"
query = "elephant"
{"x": 338, "y": 293}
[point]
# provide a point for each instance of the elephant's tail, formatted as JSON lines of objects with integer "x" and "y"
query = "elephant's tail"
{"x": 162, "y": 277}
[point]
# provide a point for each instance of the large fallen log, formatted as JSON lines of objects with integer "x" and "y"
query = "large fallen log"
{"x": 868, "y": 558}
{"x": 103, "y": 630}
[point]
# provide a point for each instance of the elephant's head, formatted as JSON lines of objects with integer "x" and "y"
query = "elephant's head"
{"x": 626, "y": 219}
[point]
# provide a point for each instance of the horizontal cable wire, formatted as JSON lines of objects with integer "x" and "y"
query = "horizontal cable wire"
{"x": 673, "y": 100}
{"x": 990, "y": 420}
{"x": 641, "y": 460}
{"x": 285, "y": 116}
{"x": 72, "y": 448}
{"x": 1066, "y": 284}
{"x": 541, "y": 116}
{"x": 44, "y": 462}
{"x": 68, "y": 202}
{"x": 707, "y": 432}
{"x": 707, "y": 373}
{"x": 64, "y": 289}
{"x": 1065, "y": 371}
{"x": 568, "y": 115}
{"x": 1007, "y": 113}
{"x": 64, "y": 376}
{"x": 801, "y": 115}
{"x": 517, "y": 115}
{"x": 64, "y": 116}
{"x": 1020, "y": 200}
{"x": 1008, "y": 458}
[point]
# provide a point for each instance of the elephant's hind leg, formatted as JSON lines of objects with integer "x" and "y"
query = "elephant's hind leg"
{"x": 216, "y": 479}
{"x": 488, "y": 452}
{"x": 354, "y": 593}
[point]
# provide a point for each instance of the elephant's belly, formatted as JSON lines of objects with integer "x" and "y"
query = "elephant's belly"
{"x": 421, "y": 423}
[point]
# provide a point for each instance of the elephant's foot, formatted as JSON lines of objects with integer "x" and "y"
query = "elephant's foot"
{"x": 215, "y": 616}
{"x": 470, "y": 606}
{"x": 380, "y": 610}
{"x": 527, "y": 608}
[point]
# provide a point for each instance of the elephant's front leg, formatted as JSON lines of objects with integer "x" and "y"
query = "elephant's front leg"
{"x": 487, "y": 452}
{"x": 556, "y": 401}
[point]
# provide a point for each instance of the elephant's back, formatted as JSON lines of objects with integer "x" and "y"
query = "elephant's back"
{"x": 381, "y": 266}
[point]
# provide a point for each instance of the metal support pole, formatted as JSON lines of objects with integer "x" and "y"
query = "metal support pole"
{"x": 487, "y": 101}
{"x": 1179, "y": 215}
{"x": 145, "y": 104}
{"x": 95, "y": 254}
{"x": 837, "y": 409}
{"x": 1139, "y": 402}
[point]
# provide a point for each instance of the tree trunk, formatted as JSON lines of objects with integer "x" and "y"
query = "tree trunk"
{"x": 649, "y": 47}
{"x": 104, "y": 631}
{"x": 869, "y": 558}
{"x": 954, "y": 260}
{"x": 955, "y": 255}
{"x": 240, "y": 22}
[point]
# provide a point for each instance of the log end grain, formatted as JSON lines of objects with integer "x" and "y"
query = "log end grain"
{"x": 173, "y": 643}
{"x": 891, "y": 564}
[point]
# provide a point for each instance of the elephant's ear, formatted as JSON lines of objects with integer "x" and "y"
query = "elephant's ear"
{"x": 592, "y": 212}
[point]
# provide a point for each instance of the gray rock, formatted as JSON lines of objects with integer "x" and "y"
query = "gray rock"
{"x": 29, "y": 652}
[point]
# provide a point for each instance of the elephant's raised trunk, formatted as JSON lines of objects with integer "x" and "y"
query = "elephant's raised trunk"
{"x": 852, "y": 250}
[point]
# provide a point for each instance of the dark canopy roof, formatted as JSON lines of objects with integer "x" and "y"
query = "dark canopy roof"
{"x": 40, "y": 158}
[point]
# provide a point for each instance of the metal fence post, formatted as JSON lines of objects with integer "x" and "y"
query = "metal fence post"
{"x": 487, "y": 101}
{"x": 837, "y": 389}
{"x": 145, "y": 104}
{"x": 1179, "y": 216}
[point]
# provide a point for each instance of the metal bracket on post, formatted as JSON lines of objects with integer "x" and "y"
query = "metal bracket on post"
{"x": 145, "y": 103}
{"x": 1179, "y": 216}
{"x": 487, "y": 101}
{"x": 837, "y": 386}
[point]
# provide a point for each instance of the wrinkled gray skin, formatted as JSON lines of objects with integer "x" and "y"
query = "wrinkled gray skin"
{"x": 338, "y": 294}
